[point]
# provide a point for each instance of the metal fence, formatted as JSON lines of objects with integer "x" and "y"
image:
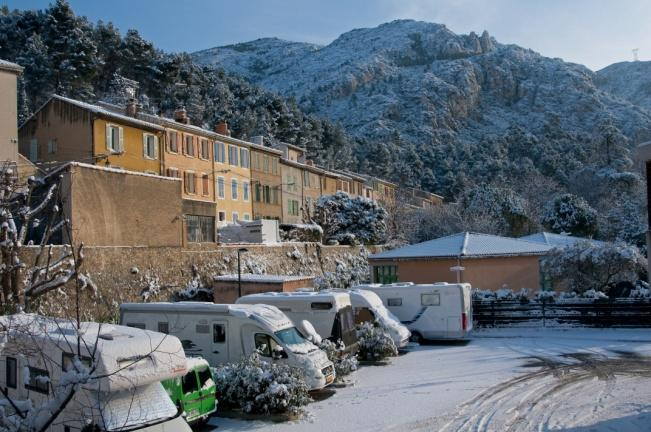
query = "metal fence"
{"x": 592, "y": 313}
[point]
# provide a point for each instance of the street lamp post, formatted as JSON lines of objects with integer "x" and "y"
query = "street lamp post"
{"x": 239, "y": 271}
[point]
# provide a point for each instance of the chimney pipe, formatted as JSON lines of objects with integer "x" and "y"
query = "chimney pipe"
{"x": 222, "y": 128}
{"x": 258, "y": 139}
{"x": 132, "y": 107}
{"x": 181, "y": 116}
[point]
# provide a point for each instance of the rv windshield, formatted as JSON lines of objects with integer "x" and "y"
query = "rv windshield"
{"x": 290, "y": 336}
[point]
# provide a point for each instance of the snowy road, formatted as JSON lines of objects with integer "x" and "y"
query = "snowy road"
{"x": 503, "y": 380}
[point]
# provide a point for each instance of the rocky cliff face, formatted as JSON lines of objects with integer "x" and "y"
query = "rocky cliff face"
{"x": 428, "y": 83}
{"x": 629, "y": 80}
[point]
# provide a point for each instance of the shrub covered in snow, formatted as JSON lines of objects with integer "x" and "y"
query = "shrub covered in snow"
{"x": 194, "y": 291}
{"x": 374, "y": 343}
{"x": 504, "y": 208}
{"x": 261, "y": 387}
{"x": 345, "y": 363}
{"x": 593, "y": 266}
{"x": 301, "y": 233}
{"x": 570, "y": 214}
{"x": 501, "y": 294}
{"x": 349, "y": 220}
{"x": 351, "y": 271}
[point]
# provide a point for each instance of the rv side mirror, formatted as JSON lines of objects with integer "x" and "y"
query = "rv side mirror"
{"x": 278, "y": 353}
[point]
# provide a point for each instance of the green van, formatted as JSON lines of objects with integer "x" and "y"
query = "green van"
{"x": 195, "y": 393}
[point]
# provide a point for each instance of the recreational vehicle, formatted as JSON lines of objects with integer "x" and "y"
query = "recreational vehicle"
{"x": 117, "y": 371}
{"x": 368, "y": 306}
{"x": 223, "y": 333}
{"x": 194, "y": 392}
{"x": 329, "y": 312}
{"x": 430, "y": 311}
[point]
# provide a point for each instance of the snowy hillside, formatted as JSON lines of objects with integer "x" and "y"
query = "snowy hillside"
{"x": 628, "y": 80}
{"x": 430, "y": 84}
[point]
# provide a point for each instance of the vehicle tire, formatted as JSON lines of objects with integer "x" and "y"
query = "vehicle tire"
{"x": 416, "y": 337}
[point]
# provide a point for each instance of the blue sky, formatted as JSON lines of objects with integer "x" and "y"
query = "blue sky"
{"x": 592, "y": 32}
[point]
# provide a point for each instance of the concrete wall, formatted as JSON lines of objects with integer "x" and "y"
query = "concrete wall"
{"x": 137, "y": 274}
{"x": 8, "y": 116}
{"x": 484, "y": 273}
{"x": 112, "y": 208}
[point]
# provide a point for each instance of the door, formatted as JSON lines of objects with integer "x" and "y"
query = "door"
{"x": 191, "y": 398}
{"x": 219, "y": 351}
{"x": 207, "y": 388}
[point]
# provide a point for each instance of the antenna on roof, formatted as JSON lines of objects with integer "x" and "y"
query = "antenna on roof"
{"x": 635, "y": 53}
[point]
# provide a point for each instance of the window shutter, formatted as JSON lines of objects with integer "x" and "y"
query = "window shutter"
{"x": 121, "y": 144}
{"x": 144, "y": 145}
{"x": 155, "y": 147}
{"x": 108, "y": 137}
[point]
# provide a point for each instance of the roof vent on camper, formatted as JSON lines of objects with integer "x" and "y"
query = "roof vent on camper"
{"x": 222, "y": 128}
{"x": 181, "y": 116}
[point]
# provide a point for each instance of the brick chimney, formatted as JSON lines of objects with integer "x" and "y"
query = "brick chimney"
{"x": 309, "y": 162}
{"x": 181, "y": 116}
{"x": 258, "y": 139}
{"x": 222, "y": 128}
{"x": 131, "y": 108}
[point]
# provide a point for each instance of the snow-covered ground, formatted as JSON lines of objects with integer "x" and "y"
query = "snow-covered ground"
{"x": 504, "y": 379}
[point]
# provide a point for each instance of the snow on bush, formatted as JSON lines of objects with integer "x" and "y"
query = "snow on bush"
{"x": 502, "y": 206}
{"x": 351, "y": 271}
{"x": 260, "y": 387}
{"x": 374, "y": 343}
{"x": 641, "y": 291}
{"x": 345, "y": 363}
{"x": 350, "y": 220}
{"x": 501, "y": 294}
{"x": 570, "y": 214}
{"x": 301, "y": 233}
{"x": 593, "y": 266}
{"x": 194, "y": 291}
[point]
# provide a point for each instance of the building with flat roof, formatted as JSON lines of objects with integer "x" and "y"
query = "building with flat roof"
{"x": 225, "y": 288}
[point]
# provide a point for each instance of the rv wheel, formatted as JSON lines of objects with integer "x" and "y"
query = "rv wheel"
{"x": 416, "y": 337}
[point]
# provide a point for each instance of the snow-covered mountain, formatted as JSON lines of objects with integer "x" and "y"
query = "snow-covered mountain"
{"x": 428, "y": 84}
{"x": 628, "y": 80}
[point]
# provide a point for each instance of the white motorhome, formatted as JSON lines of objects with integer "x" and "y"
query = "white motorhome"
{"x": 368, "y": 306}
{"x": 118, "y": 371}
{"x": 430, "y": 311}
{"x": 223, "y": 333}
{"x": 329, "y": 312}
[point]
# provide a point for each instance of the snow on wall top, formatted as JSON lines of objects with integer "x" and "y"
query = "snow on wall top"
{"x": 557, "y": 240}
{"x": 262, "y": 278}
{"x": 108, "y": 169}
{"x": 9, "y": 66}
{"x": 466, "y": 244}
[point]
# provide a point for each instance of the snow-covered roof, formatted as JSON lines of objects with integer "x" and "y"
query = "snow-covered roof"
{"x": 305, "y": 166}
{"x": 196, "y": 362}
{"x": 262, "y": 278}
{"x": 103, "y": 112}
{"x": 341, "y": 299}
{"x": 9, "y": 66}
{"x": 466, "y": 244}
{"x": 557, "y": 240}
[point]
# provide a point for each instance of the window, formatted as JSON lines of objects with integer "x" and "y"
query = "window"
{"x": 222, "y": 216}
{"x": 189, "y": 180}
{"x": 189, "y": 383}
{"x": 205, "y": 149}
{"x": 264, "y": 344}
{"x": 172, "y": 142}
{"x": 306, "y": 178}
{"x": 39, "y": 380}
{"x": 265, "y": 163}
{"x": 385, "y": 274}
{"x": 164, "y": 327}
{"x": 321, "y": 306}
{"x": 236, "y": 217}
{"x": 68, "y": 358}
{"x": 11, "y": 371}
{"x": 292, "y": 207}
{"x": 221, "y": 188}
{"x": 114, "y": 138}
{"x": 257, "y": 192}
{"x": 200, "y": 229}
{"x": 220, "y": 152}
{"x": 205, "y": 378}
{"x": 266, "y": 194}
{"x": 244, "y": 158}
{"x": 394, "y": 302}
{"x": 202, "y": 328}
{"x": 33, "y": 150}
{"x": 52, "y": 146}
{"x": 245, "y": 191}
{"x": 205, "y": 184}
{"x": 232, "y": 155}
{"x": 173, "y": 172}
{"x": 274, "y": 196}
{"x": 189, "y": 145}
{"x": 430, "y": 299}
{"x": 234, "y": 189}
{"x": 218, "y": 333}
{"x": 150, "y": 146}
{"x": 247, "y": 216}
{"x": 140, "y": 326}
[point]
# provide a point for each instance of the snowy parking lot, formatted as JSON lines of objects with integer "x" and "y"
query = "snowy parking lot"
{"x": 504, "y": 379}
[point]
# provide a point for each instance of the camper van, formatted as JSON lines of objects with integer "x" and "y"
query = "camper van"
{"x": 194, "y": 392}
{"x": 122, "y": 367}
{"x": 224, "y": 333}
{"x": 431, "y": 311}
{"x": 330, "y": 313}
{"x": 368, "y": 306}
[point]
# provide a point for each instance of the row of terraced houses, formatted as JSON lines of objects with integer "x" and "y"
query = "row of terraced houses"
{"x": 223, "y": 179}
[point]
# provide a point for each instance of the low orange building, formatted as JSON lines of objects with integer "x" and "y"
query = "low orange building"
{"x": 225, "y": 288}
{"x": 485, "y": 261}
